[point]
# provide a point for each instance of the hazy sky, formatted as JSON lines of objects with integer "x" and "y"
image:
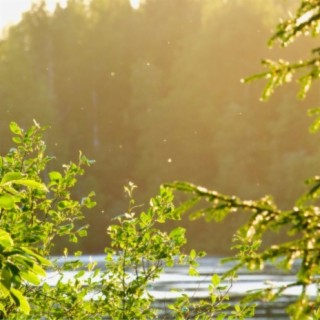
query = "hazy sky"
{"x": 11, "y": 10}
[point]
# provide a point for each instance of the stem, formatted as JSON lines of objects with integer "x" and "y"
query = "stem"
{"x": 124, "y": 282}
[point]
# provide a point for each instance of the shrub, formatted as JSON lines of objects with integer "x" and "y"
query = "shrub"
{"x": 33, "y": 213}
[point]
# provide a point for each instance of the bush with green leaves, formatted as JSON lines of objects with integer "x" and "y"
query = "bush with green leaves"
{"x": 142, "y": 251}
{"x": 37, "y": 206}
{"x": 32, "y": 214}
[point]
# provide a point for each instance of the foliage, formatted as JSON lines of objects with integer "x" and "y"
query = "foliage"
{"x": 299, "y": 252}
{"x": 304, "y": 22}
{"x": 156, "y": 90}
{"x": 18, "y": 265}
{"x": 215, "y": 307}
{"x": 33, "y": 213}
{"x": 142, "y": 251}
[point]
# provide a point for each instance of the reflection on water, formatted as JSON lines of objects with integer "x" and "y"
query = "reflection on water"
{"x": 197, "y": 287}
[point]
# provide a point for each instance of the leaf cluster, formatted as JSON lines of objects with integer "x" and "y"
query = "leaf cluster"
{"x": 304, "y": 22}
{"x": 37, "y": 206}
{"x": 299, "y": 254}
{"x": 32, "y": 214}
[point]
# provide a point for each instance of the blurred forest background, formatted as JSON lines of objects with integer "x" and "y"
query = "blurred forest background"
{"x": 154, "y": 95}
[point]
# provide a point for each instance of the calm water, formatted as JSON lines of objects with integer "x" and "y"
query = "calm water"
{"x": 196, "y": 287}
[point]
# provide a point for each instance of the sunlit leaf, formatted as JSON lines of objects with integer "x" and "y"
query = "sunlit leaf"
{"x": 7, "y": 201}
{"x": 32, "y": 184}
{"x": 193, "y": 254}
{"x": 15, "y": 128}
{"x": 11, "y": 176}
{"x": 215, "y": 279}
{"x": 55, "y": 176}
{"x": 30, "y": 277}
{"x": 20, "y": 300}
{"x": 5, "y": 239}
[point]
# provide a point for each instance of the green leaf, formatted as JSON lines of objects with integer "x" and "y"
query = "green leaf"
{"x": 7, "y": 202}
{"x": 145, "y": 218}
{"x": 4, "y": 291}
{"x": 30, "y": 277}
{"x": 43, "y": 261}
{"x": 55, "y": 176}
{"x": 32, "y": 184}
{"x": 315, "y": 126}
{"x": 5, "y": 239}
{"x": 193, "y": 254}
{"x": 88, "y": 202}
{"x": 65, "y": 204}
{"x": 14, "y": 270}
{"x": 3, "y": 309}
{"x": 6, "y": 278}
{"x": 15, "y": 128}
{"x": 305, "y": 84}
{"x": 17, "y": 140}
{"x": 178, "y": 235}
{"x": 177, "y": 232}
{"x": 11, "y": 176}
{"x": 215, "y": 280}
{"x": 65, "y": 229}
{"x": 80, "y": 274}
{"x": 82, "y": 232}
{"x": 38, "y": 270}
{"x": 221, "y": 316}
{"x": 193, "y": 271}
{"x": 20, "y": 300}
{"x": 18, "y": 178}
{"x": 11, "y": 190}
{"x": 313, "y": 112}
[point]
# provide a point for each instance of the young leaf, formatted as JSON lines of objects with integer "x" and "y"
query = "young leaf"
{"x": 32, "y": 184}
{"x": 30, "y": 277}
{"x": 11, "y": 176}
{"x": 20, "y": 300}
{"x": 193, "y": 254}
{"x": 5, "y": 239}
{"x": 7, "y": 201}
{"x": 15, "y": 128}
{"x": 55, "y": 176}
{"x": 215, "y": 279}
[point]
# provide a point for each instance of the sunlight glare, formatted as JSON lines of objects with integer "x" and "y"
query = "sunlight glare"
{"x": 135, "y": 4}
{"x": 11, "y": 10}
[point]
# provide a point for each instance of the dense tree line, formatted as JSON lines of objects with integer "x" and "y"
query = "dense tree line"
{"x": 154, "y": 95}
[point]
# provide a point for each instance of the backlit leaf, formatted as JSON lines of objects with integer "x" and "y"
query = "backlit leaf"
{"x": 11, "y": 176}
{"x": 7, "y": 201}
{"x": 30, "y": 277}
{"x": 5, "y": 239}
{"x": 32, "y": 184}
{"x": 15, "y": 128}
{"x": 20, "y": 300}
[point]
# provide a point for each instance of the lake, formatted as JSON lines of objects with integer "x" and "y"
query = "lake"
{"x": 196, "y": 287}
